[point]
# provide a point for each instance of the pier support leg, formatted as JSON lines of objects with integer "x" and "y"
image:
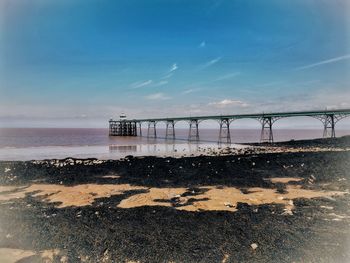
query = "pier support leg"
{"x": 329, "y": 125}
{"x": 140, "y": 129}
{"x": 266, "y": 130}
{"x": 193, "y": 134}
{"x": 152, "y": 130}
{"x": 224, "y": 135}
{"x": 170, "y": 130}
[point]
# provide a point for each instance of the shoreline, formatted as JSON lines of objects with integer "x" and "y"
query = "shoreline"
{"x": 284, "y": 203}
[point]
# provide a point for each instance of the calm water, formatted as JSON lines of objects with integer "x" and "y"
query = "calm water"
{"x": 42, "y": 143}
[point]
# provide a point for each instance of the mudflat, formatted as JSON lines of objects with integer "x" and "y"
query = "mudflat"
{"x": 288, "y": 202}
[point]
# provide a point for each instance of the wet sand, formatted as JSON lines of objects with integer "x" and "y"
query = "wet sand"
{"x": 282, "y": 203}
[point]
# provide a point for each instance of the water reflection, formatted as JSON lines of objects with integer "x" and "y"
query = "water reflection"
{"x": 169, "y": 149}
{"x": 122, "y": 148}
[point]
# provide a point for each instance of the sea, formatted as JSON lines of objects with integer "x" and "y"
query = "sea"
{"x": 51, "y": 143}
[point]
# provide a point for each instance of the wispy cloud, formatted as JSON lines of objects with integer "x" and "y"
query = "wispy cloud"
{"x": 272, "y": 83}
{"x": 332, "y": 60}
{"x": 173, "y": 68}
{"x": 210, "y": 63}
{"x": 202, "y": 44}
{"x": 157, "y": 96}
{"x": 141, "y": 84}
{"x": 228, "y": 76}
{"x": 228, "y": 103}
{"x": 167, "y": 76}
{"x": 191, "y": 91}
{"x": 160, "y": 83}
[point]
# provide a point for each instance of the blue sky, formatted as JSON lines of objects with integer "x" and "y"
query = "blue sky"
{"x": 80, "y": 62}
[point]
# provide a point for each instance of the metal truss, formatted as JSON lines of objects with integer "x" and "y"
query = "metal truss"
{"x": 266, "y": 134}
{"x": 193, "y": 134}
{"x": 224, "y": 134}
{"x": 329, "y": 121}
{"x": 152, "y": 129}
{"x": 170, "y": 130}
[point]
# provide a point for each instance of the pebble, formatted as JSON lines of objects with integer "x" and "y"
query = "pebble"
{"x": 254, "y": 246}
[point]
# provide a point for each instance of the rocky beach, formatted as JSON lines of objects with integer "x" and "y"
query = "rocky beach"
{"x": 286, "y": 202}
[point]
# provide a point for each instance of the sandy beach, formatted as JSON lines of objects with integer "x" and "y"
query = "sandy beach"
{"x": 288, "y": 202}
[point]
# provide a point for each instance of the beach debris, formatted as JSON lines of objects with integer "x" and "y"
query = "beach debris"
{"x": 327, "y": 207}
{"x": 287, "y": 211}
{"x": 311, "y": 179}
{"x": 329, "y": 198}
{"x": 8, "y": 236}
{"x": 228, "y": 204}
{"x": 7, "y": 169}
{"x": 254, "y": 246}
{"x": 224, "y": 260}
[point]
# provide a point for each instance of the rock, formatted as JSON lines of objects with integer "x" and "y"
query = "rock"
{"x": 287, "y": 212}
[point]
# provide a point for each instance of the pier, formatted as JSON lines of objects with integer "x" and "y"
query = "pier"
{"x": 126, "y": 127}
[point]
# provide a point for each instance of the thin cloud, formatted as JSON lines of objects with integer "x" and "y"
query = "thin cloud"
{"x": 173, "y": 68}
{"x": 228, "y": 76}
{"x": 141, "y": 84}
{"x": 157, "y": 96}
{"x": 228, "y": 103}
{"x": 332, "y": 60}
{"x": 210, "y": 63}
{"x": 202, "y": 44}
{"x": 160, "y": 83}
{"x": 272, "y": 83}
{"x": 190, "y": 91}
{"x": 167, "y": 76}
